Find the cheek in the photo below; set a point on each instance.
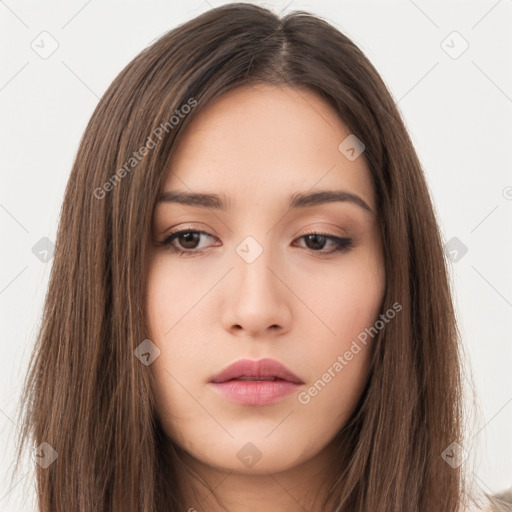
(172, 302)
(169, 296)
(347, 309)
(345, 299)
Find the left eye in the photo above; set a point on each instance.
(315, 242)
(316, 239)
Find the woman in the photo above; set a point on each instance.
(249, 306)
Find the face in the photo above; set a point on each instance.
(253, 276)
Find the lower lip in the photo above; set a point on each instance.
(253, 392)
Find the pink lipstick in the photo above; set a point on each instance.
(262, 382)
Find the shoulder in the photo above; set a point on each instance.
(501, 502)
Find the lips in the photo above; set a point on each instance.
(255, 383)
(262, 370)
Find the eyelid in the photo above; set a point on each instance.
(342, 233)
(331, 230)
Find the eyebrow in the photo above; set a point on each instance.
(295, 201)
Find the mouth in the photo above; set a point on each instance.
(257, 379)
(262, 382)
(261, 370)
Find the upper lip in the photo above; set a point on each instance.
(261, 368)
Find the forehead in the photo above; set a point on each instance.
(263, 141)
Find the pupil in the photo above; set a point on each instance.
(189, 238)
(316, 237)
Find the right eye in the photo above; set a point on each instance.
(188, 240)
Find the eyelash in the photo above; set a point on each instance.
(342, 244)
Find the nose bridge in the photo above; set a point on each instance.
(253, 263)
(258, 301)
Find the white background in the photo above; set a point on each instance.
(458, 112)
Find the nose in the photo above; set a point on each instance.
(259, 300)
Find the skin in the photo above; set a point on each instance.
(258, 145)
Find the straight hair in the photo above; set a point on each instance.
(91, 400)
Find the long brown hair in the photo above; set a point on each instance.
(90, 399)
